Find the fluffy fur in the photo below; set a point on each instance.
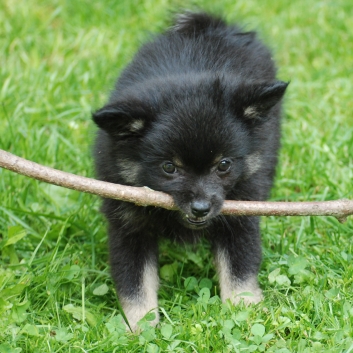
(196, 114)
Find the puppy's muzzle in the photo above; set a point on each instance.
(200, 209)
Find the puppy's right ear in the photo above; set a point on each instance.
(121, 119)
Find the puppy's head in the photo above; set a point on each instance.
(193, 138)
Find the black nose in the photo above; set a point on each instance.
(200, 208)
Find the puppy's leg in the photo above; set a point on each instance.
(133, 258)
(145, 300)
(232, 284)
(237, 250)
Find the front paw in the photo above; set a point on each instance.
(247, 290)
(135, 311)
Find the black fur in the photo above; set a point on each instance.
(196, 100)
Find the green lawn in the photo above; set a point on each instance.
(58, 61)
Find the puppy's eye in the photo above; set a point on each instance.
(169, 167)
(224, 165)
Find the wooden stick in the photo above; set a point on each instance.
(144, 196)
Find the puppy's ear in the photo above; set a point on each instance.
(258, 99)
(122, 119)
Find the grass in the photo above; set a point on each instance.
(59, 60)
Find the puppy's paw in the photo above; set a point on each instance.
(248, 291)
(135, 312)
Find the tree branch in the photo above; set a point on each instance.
(144, 196)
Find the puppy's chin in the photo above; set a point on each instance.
(193, 222)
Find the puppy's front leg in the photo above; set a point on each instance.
(133, 258)
(237, 251)
(232, 285)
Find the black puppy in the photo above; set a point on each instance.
(197, 115)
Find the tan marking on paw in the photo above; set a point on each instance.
(232, 288)
(136, 309)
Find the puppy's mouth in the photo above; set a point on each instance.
(194, 222)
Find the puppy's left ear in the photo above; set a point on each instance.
(258, 99)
